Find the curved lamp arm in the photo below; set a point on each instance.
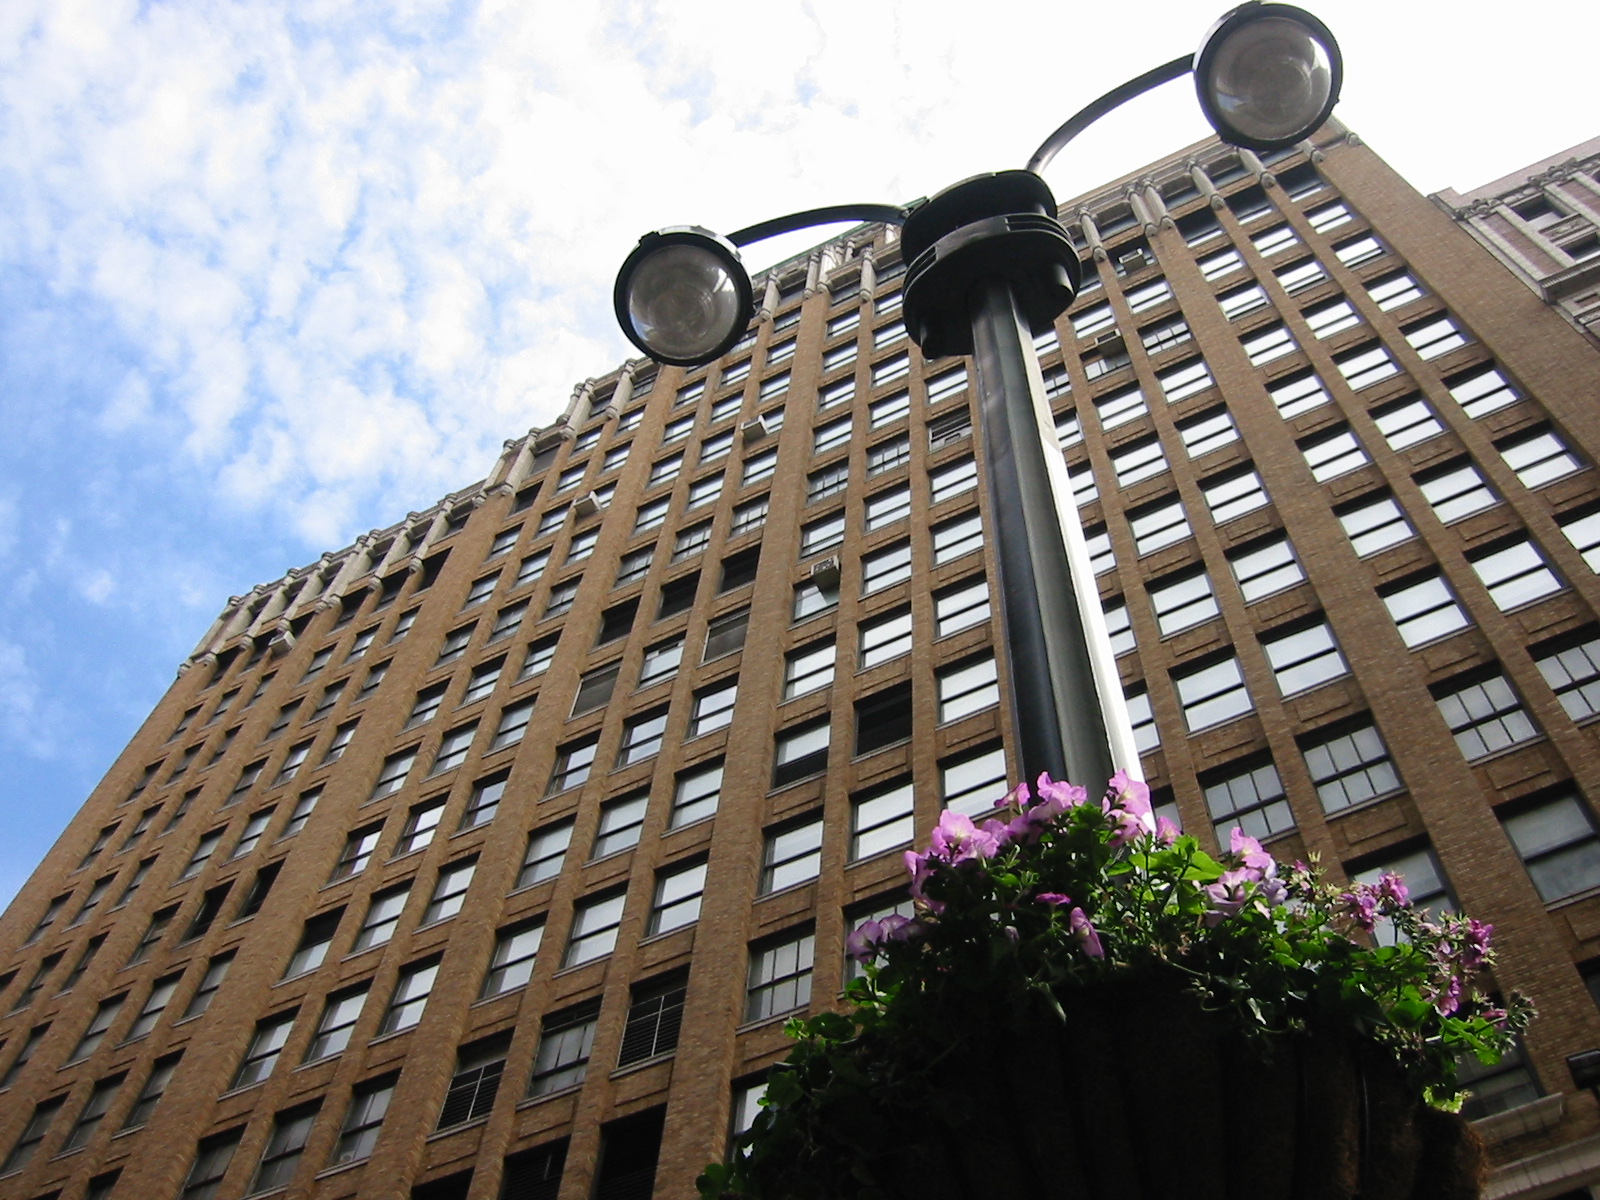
(890, 214)
(1117, 96)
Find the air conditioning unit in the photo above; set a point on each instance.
(281, 643)
(588, 505)
(1109, 342)
(755, 429)
(1133, 260)
(825, 573)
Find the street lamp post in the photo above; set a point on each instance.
(988, 266)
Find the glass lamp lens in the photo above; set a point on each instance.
(682, 301)
(1271, 79)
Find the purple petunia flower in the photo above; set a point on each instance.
(1392, 889)
(1084, 931)
(1058, 899)
(862, 944)
(957, 840)
(1228, 894)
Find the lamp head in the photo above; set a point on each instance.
(1268, 75)
(683, 296)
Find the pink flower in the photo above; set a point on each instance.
(1127, 804)
(862, 944)
(1448, 1000)
(1475, 944)
(1166, 831)
(1360, 905)
(1056, 898)
(957, 840)
(1228, 894)
(899, 929)
(1083, 931)
(1393, 890)
(1255, 861)
(921, 868)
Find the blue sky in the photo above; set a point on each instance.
(274, 274)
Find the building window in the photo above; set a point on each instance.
(1301, 276)
(383, 915)
(620, 823)
(159, 921)
(1335, 316)
(1162, 336)
(594, 928)
(595, 688)
(476, 1082)
(1406, 422)
(800, 752)
(756, 467)
(280, 1158)
(393, 775)
(961, 606)
(1157, 525)
(565, 1041)
(1183, 601)
(1375, 524)
(1120, 408)
(1456, 491)
(691, 541)
(1485, 715)
(205, 991)
(531, 568)
(155, 1004)
(885, 638)
(893, 453)
(678, 595)
(202, 853)
(573, 763)
(1298, 393)
(808, 669)
(725, 634)
(828, 481)
(665, 470)
(713, 708)
(547, 850)
(211, 1160)
(1366, 365)
(1482, 391)
(410, 997)
(1572, 669)
(1394, 291)
(695, 794)
(94, 1111)
(883, 719)
(1304, 658)
(1515, 574)
(885, 567)
(1423, 609)
(971, 784)
(1269, 345)
(453, 748)
(1138, 461)
(1231, 495)
(952, 480)
(338, 1022)
(822, 535)
(780, 977)
(812, 598)
(1557, 843)
(1357, 250)
(540, 655)
(315, 939)
(887, 507)
(968, 687)
(1349, 765)
(1249, 797)
(357, 852)
(369, 1104)
(1271, 241)
(1265, 568)
(677, 898)
(881, 820)
(427, 705)
(655, 1017)
(661, 661)
(749, 516)
(1212, 693)
(450, 892)
(956, 537)
(1539, 457)
(1242, 301)
(482, 681)
(1188, 378)
(515, 951)
(1220, 265)
(1434, 336)
(1332, 455)
(1081, 482)
(889, 410)
(793, 855)
(1207, 432)
(653, 514)
(262, 1053)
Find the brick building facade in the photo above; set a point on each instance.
(486, 857)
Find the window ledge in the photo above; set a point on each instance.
(1537, 1115)
(441, 1134)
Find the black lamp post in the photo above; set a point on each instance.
(988, 266)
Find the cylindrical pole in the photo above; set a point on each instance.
(1067, 704)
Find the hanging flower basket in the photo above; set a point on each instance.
(1087, 1006)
